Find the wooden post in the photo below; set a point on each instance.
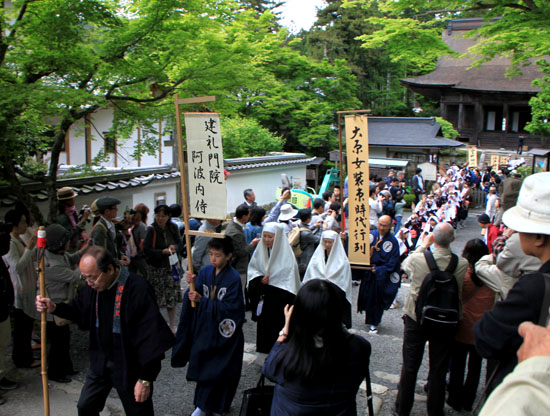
(185, 202)
(41, 248)
(343, 220)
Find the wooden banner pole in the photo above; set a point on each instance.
(41, 248)
(184, 195)
(343, 220)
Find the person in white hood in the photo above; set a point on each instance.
(330, 262)
(273, 281)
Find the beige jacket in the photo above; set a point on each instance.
(416, 268)
(525, 391)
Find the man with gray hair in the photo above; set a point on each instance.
(415, 336)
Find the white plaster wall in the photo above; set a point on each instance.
(101, 121)
(263, 181)
(129, 198)
(146, 195)
(377, 152)
(77, 144)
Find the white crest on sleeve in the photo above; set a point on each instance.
(227, 327)
(221, 293)
(206, 291)
(387, 246)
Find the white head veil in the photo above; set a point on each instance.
(336, 269)
(280, 266)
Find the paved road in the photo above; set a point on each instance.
(174, 395)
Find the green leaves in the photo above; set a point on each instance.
(245, 137)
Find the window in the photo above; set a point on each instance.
(110, 142)
(469, 117)
(493, 118)
(519, 117)
(160, 198)
(452, 114)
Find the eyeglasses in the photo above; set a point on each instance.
(91, 282)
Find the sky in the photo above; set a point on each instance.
(299, 14)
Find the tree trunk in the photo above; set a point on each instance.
(21, 194)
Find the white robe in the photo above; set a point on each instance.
(280, 266)
(336, 269)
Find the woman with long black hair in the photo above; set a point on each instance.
(476, 299)
(316, 364)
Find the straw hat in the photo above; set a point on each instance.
(532, 211)
(65, 193)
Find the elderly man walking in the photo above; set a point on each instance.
(415, 335)
(128, 335)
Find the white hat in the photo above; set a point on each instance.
(532, 211)
(270, 227)
(329, 234)
(287, 212)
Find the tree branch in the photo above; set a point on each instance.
(32, 78)
(30, 176)
(481, 6)
(163, 95)
(11, 35)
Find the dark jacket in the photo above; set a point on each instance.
(308, 244)
(6, 292)
(417, 181)
(65, 221)
(137, 352)
(155, 242)
(496, 333)
(102, 236)
(329, 394)
(241, 251)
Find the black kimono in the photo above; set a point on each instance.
(127, 341)
(271, 318)
(210, 337)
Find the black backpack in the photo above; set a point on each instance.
(437, 306)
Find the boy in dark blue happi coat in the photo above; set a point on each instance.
(210, 336)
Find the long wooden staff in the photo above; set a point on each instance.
(183, 185)
(41, 245)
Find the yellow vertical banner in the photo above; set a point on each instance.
(494, 161)
(472, 157)
(503, 161)
(357, 149)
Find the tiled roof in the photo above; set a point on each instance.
(489, 77)
(418, 132)
(277, 159)
(93, 184)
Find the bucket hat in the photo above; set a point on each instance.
(532, 211)
(287, 212)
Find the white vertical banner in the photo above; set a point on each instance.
(207, 192)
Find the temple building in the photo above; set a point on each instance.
(488, 109)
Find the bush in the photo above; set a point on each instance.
(409, 199)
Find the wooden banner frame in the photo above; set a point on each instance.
(183, 180)
(354, 265)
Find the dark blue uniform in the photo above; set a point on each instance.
(377, 291)
(210, 338)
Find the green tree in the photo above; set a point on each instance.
(517, 29)
(297, 98)
(336, 34)
(61, 60)
(244, 137)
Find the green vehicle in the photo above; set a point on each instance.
(304, 198)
